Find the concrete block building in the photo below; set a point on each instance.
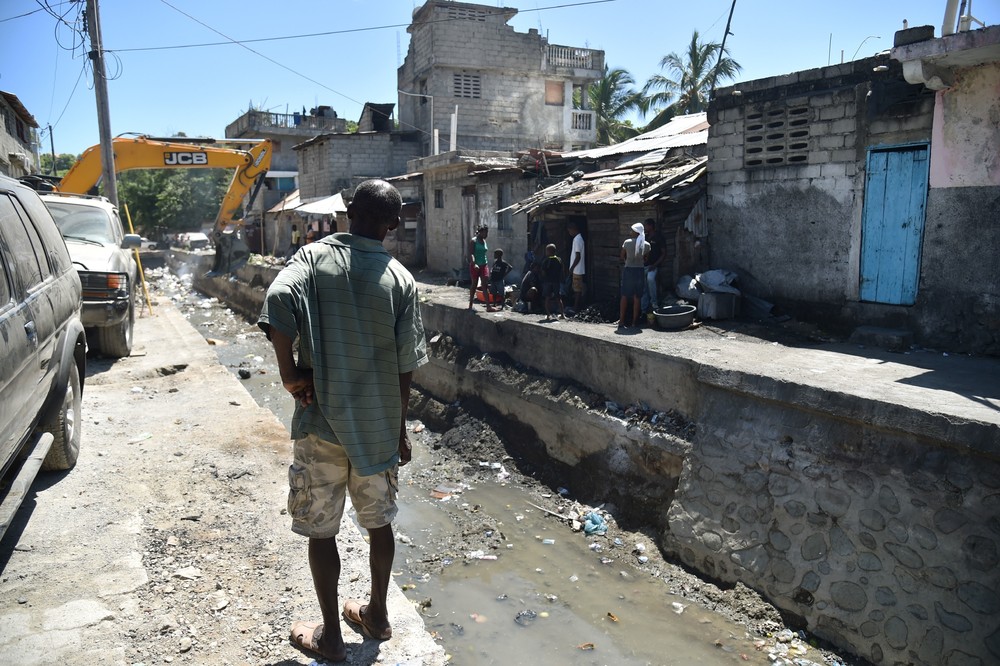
(285, 130)
(512, 90)
(463, 190)
(17, 138)
(866, 193)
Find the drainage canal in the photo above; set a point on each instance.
(491, 556)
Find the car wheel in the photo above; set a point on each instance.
(116, 341)
(65, 428)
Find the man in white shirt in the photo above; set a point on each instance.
(577, 263)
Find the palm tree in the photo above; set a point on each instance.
(689, 80)
(612, 98)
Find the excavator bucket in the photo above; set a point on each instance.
(231, 252)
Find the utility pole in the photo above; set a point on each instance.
(103, 112)
(52, 147)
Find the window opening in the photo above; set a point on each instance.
(467, 85)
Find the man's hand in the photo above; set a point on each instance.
(299, 383)
(405, 450)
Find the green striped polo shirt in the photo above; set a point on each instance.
(355, 311)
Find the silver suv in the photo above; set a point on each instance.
(43, 347)
(103, 255)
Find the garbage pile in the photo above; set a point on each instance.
(639, 415)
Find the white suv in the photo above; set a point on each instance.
(102, 253)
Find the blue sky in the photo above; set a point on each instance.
(199, 90)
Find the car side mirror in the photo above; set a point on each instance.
(131, 241)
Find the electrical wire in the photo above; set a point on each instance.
(243, 44)
(33, 11)
(332, 32)
(73, 92)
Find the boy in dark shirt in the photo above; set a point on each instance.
(552, 274)
(498, 272)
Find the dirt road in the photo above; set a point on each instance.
(168, 542)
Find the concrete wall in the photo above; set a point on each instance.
(875, 525)
(510, 113)
(336, 162)
(793, 231)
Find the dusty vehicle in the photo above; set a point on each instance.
(250, 166)
(102, 253)
(43, 352)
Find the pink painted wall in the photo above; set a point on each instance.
(965, 142)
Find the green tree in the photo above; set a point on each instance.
(612, 98)
(170, 200)
(63, 163)
(689, 80)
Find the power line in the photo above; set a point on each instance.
(33, 11)
(82, 70)
(330, 32)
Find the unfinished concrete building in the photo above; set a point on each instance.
(509, 90)
(285, 130)
(17, 138)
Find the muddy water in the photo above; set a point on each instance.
(546, 599)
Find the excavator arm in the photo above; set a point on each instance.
(143, 152)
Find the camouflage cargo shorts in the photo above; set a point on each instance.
(318, 478)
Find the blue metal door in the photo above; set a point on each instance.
(892, 226)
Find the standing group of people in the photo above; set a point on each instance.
(542, 283)
(492, 281)
(642, 254)
(314, 231)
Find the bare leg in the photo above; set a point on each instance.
(636, 310)
(383, 550)
(621, 310)
(324, 563)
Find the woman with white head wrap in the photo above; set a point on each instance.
(634, 251)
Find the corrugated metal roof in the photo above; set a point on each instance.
(326, 206)
(680, 132)
(639, 182)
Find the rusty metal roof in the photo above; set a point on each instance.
(634, 182)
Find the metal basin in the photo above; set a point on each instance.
(675, 317)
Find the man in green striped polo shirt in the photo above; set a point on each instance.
(354, 310)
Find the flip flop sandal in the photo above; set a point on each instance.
(354, 612)
(306, 635)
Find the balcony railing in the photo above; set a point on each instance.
(265, 120)
(571, 56)
(582, 120)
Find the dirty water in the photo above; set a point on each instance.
(546, 598)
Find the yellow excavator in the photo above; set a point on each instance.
(145, 152)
